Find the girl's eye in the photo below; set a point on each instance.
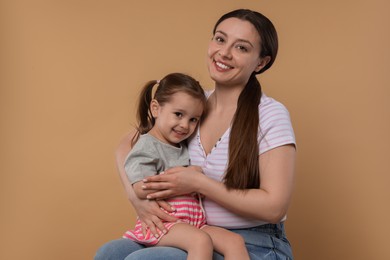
(194, 120)
(178, 114)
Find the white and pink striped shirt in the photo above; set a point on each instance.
(275, 130)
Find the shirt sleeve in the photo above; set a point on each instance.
(275, 126)
(141, 162)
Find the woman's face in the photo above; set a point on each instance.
(234, 52)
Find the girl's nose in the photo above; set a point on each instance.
(184, 124)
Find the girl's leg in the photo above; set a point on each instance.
(229, 244)
(196, 242)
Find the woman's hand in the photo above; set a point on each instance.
(151, 214)
(174, 182)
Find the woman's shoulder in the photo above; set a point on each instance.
(267, 102)
(275, 124)
(271, 108)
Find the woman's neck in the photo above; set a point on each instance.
(224, 98)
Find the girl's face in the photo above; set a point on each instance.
(177, 119)
(234, 52)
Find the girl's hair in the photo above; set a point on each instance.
(243, 167)
(166, 87)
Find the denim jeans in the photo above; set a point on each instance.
(263, 242)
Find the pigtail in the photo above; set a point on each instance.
(144, 115)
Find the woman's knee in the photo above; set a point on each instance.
(117, 249)
(158, 252)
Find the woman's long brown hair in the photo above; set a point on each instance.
(243, 166)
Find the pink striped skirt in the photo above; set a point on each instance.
(188, 210)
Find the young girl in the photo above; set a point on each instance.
(165, 122)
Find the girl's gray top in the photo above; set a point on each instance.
(150, 156)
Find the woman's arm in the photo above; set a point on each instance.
(139, 191)
(148, 211)
(269, 203)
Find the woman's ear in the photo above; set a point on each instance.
(263, 61)
(154, 108)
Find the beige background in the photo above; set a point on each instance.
(70, 74)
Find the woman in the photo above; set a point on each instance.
(245, 145)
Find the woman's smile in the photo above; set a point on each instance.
(222, 66)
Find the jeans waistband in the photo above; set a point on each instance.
(271, 229)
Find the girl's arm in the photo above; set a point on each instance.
(269, 203)
(148, 211)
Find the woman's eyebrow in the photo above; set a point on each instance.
(221, 32)
(240, 40)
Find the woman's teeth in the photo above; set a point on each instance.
(222, 66)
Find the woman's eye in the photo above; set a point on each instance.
(242, 48)
(218, 39)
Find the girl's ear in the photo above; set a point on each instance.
(154, 108)
(263, 61)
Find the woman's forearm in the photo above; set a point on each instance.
(252, 203)
(120, 156)
(271, 201)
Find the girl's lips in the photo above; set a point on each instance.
(179, 133)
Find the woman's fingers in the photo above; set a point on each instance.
(156, 186)
(144, 228)
(160, 179)
(152, 228)
(165, 205)
(160, 195)
(174, 182)
(154, 216)
(153, 224)
(157, 222)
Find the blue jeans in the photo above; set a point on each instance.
(263, 242)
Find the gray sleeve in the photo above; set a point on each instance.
(141, 162)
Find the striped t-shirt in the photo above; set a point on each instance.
(275, 130)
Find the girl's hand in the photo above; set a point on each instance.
(174, 182)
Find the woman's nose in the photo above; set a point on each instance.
(225, 52)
